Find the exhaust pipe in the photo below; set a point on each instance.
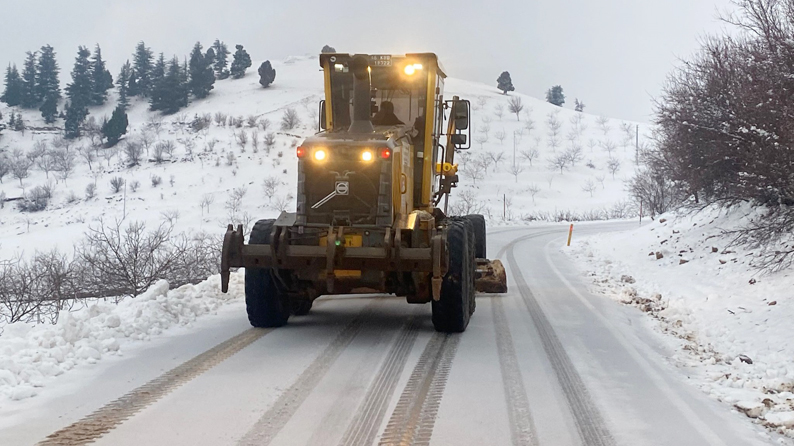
(361, 96)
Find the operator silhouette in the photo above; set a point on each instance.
(386, 116)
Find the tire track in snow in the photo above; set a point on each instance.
(271, 422)
(412, 421)
(522, 428)
(590, 424)
(106, 418)
(364, 427)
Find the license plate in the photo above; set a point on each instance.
(351, 241)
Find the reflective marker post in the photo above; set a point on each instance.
(570, 233)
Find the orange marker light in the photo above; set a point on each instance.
(301, 152)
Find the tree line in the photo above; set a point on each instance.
(724, 133)
(166, 84)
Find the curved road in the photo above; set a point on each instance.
(545, 364)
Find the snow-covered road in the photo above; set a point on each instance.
(545, 364)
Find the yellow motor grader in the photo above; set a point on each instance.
(368, 216)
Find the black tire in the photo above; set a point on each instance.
(478, 224)
(301, 307)
(451, 313)
(265, 301)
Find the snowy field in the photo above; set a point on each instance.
(732, 324)
(207, 169)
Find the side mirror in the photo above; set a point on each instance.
(322, 122)
(459, 139)
(461, 114)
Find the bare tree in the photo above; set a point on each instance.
(242, 139)
(515, 106)
(270, 187)
(270, 141)
(156, 124)
(613, 165)
(126, 260)
(133, 150)
(589, 186)
(476, 169)
(255, 140)
(499, 111)
(20, 165)
(264, 124)
(603, 123)
(559, 161)
(500, 135)
(533, 190)
(5, 166)
(516, 170)
(496, 158)
(574, 155)
(530, 154)
(609, 146)
(64, 162)
(88, 153)
(220, 118)
(480, 139)
(465, 203)
(206, 201)
(290, 119)
(45, 163)
(529, 125)
(600, 178)
(592, 144)
(282, 203)
(146, 139)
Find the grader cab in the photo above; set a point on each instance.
(370, 187)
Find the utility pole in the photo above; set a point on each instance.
(637, 147)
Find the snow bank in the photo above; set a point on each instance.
(32, 355)
(734, 323)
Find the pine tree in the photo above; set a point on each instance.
(48, 85)
(113, 129)
(142, 67)
(554, 95)
(13, 87)
(101, 78)
(29, 98)
(578, 105)
(221, 55)
(157, 72)
(328, 49)
(79, 93)
(240, 63)
(202, 77)
(49, 109)
(266, 74)
(171, 93)
(123, 83)
(504, 82)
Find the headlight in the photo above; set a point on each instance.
(367, 155)
(320, 155)
(410, 70)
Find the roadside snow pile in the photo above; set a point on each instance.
(735, 324)
(32, 355)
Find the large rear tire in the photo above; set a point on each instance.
(451, 313)
(478, 224)
(267, 304)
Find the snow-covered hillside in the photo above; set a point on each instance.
(732, 322)
(208, 168)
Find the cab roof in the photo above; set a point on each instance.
(429, 59)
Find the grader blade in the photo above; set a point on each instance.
(491, 276)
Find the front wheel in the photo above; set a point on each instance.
(265, 300)
(451, 313)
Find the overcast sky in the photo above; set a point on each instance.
(612, 54)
